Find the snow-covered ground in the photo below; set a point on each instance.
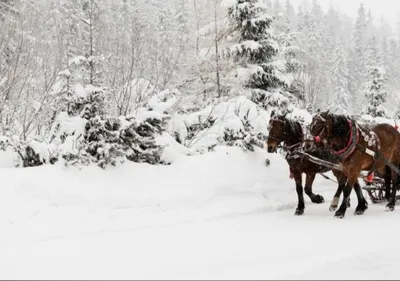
(219, 215)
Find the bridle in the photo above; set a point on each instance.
(270, 126)
(279, 140)
(318, 137)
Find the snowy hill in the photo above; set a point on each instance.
(218, 215)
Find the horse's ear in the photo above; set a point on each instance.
(272, 114)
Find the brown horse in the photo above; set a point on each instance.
(360, 149)
(290, 133)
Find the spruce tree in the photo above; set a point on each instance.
(340, 101)
(357, 67)
(372, 53)
(375, 93)
(255, 49)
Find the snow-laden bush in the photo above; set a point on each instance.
(109, 141)
(26, 153)
(275, 100)
(237, 121)
(88, 135)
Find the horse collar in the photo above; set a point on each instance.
(351, 144)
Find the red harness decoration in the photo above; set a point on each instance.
(351, 146)
(370, 177)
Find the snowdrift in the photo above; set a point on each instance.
(221, 215)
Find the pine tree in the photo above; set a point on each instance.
(375, 93)
(393, 68)
(357, 70)
(333, 25)
(316, 32)
(340, 101)
(372, 53)
(256, 47)
(290, 15)
(256, 51)
(105, 140)
(182, 31)
(384, 53)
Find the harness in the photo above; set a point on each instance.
(351, 146)
(290, 151)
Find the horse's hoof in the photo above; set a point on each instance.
(389, 208)
(339, 214)
(299, 212)
(359, 212)
(318, 199)
(332, 208)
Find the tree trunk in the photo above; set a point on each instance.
(216, 50)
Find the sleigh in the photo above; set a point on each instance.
(376, 189)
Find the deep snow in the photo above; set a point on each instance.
(219, 215)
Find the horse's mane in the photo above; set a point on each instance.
(340, 125)
(292, 128)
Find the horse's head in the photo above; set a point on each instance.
(321, 127)
(276, 131)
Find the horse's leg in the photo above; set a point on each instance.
(396, 182)
(362, 203)
(315, 198)
(388, 181)
(299, 189)
(351, 180)
(336, 197)
(341, 179)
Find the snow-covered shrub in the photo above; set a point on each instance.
(238, 121)
(36, 153)
(83, 132)
(109, 141)
(28, 153)
(139, 143)
(275, 100)
(245, 137)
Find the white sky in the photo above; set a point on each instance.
(389, 9)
